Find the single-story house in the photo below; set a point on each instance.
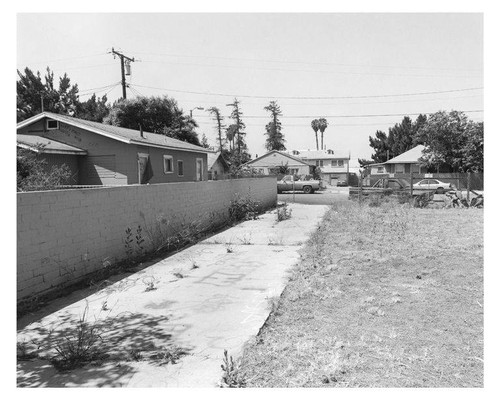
(333, 166)
(101, 154)
(267, 163)
(217, 165)
(405, 163)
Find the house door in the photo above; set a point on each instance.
(199, 169)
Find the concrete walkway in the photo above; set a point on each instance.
(210, 297)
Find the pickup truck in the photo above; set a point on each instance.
(384, 186)
(294, 183)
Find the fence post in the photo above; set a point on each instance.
(468, 186)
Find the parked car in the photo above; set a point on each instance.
(294, 183)
(384, 186)
(433, 184)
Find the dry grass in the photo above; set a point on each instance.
(384, 297)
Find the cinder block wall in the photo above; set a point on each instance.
(63, 235)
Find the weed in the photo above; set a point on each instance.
(243, 208)
(23, 353)
(195, 265)
(232, 376)
(139, 240)
(128, 243)
(80, 347)
(169, 356)
(283, 213)
(178, 275)
(246, 239)
(104, 306)
(150, 283)
(229, 248)
(135, 355)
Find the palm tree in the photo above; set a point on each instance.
(323, 123)
(315, 126)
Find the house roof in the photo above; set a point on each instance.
(279, 152)
(130, 136)
(321, 155)
(212, 158)
(410, 156)
(48, 146)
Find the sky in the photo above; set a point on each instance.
(362, 72)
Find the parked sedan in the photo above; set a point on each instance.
(433, 184)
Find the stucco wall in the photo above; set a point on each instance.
(62, 235)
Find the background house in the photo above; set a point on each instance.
(217, 165)
(100, 154)
(405, 163)
(266, 163)
(333, 166)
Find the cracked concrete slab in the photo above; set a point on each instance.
(211, 297)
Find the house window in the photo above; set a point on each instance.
(180, 168)
(380, 170)
(294, 171)
(400, 169)
(168, 164)
(319, 163)
(199, 169)
(340, 163)
(52, 124)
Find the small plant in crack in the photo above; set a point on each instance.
(79, 347)
(246, 240)
(195, 265)
(178, 275)
(168, 355)
(24, 353)
(135, 355)
(232, 377)
(283, 213)
(229, 248)
(104, 306)
(150, 283)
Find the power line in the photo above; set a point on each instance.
(345, 116)
(310, 97)
(84, 91)
(66, 59)
(308, 62)
(313, 71)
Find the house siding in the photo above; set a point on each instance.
(111, 162)
(277, 159)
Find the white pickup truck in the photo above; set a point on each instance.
(294, 183)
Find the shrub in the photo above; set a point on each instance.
(283, 213)
(232, 376)
(242, 208)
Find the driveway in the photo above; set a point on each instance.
(211, 297)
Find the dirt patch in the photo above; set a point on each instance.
(387, 296)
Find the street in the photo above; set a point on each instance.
(325, 197)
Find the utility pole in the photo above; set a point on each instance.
(122, 64)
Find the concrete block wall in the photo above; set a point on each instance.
(63, 235)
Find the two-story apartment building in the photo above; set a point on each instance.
(333, 166)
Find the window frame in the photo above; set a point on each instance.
(198, 178)
(165, 158)
(49, 128)
(180, 169)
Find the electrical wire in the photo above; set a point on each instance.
(310, 97)
(66, 59)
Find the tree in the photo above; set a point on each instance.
(204, 142)
(239, 155)
(31, 91)
(401, 138)
(33, 172)
(452, 141)
(218, 118)
(159, 115)
(322, 124)
(275, 139)
(315, 126)
(94, 109)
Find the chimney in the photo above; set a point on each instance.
(140, 128)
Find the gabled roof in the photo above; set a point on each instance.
(125, 135)
(410, 156)
(48, 146)
(321, 155)
(279, 152)
(212, 158)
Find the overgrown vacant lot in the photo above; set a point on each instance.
(384, 296)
